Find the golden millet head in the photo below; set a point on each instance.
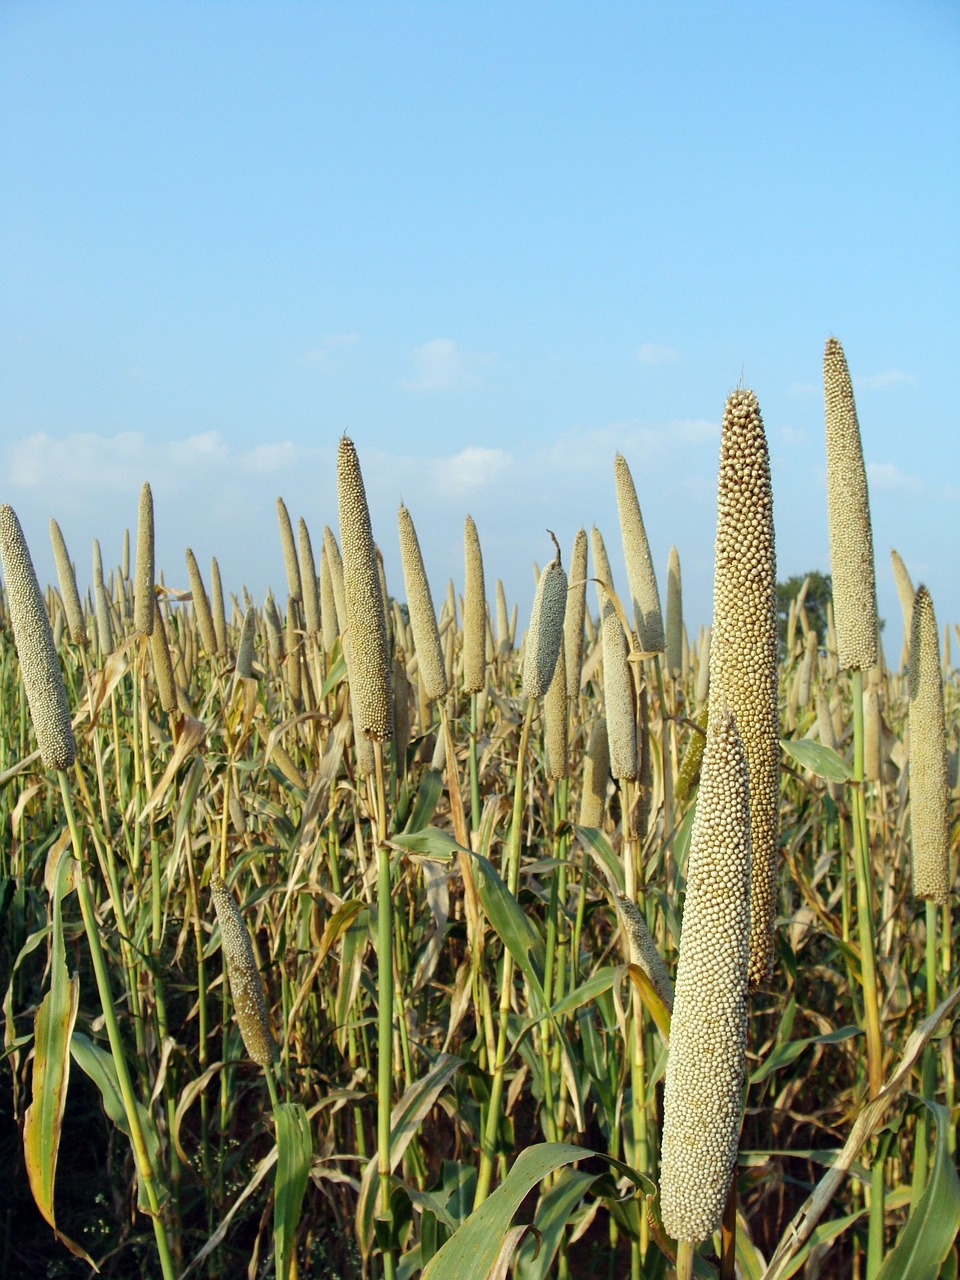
(636, 552)
(555, 721)
(573, 618)
(290, 562)
(673, 655)
(546, 629)
(929, 787)
(308, 576)
(703, 1089)
(423, 620)
(596, 772)
(848, 518)
(618, 698)
(39, 665)
(474, 612)
(143, 593)
(642, 949)
(245, 985)
(68, 586)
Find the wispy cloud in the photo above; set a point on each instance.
(322, 355)
(889, 378)
(442, 365)
(472, 469)
(657, 353)
(885, 475)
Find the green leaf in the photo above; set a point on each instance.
(335, 675)
(294, 1156)
(471, 1252)
(598, 844)
(784, 1054)
(515, 930)
(933, 1226)
(97, 1063)
(821, 760)
(430, 842)
(53, 1027)
(557, 1203)
(428, 796)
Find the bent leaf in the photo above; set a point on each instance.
(821, 760)
(294, 1156)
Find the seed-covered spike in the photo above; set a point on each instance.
(245, 986)
(848, 518)
(328, 605)
(201, 605)
(689, 770)
(503, 622)
(290, 562)
(143, 592)
(335, 566)
(929, 819)
(703, 1093)
(905, 591)
(642, 949)
(162, 663)
(423, 620)
(546, 629)
(556, 761)
(703, 667)
(39, 666)
(308, 580)
(217, 606)
(674, 640)
(618, 698)
(596, 772)
(245, 650)
(636, 553)
(474, 612)
(601, 566)
(102, 604)
(743, 646)
(68, 586)
(368, 666)
(573, 618)
(274, 624)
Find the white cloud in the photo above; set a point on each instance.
(657, 353)
(471, 469)
(442, 365)
(322, 355)
(889, 378)
(887, 476)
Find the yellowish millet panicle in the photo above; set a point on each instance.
(636, 552)
(308, 580)
(703, 667)
(503, 622)
(125, 555)
(848, 519)
(423, 620)
(673, 654)
(618, 699)
(291, 662)
(601, 566)
(573, 618)
(807, 668)
(556, 760)
(162, 663)
(217, 607)
(274, 625)
(368, 668)
(245, 986)
(68, 586)
(546, 629)
(143, 592)
(929, 824)
(245, 650)
(289, 547)
(905, 592)
(743, 647)
(39, 665)
(201, 605)
(102, 604)
(828, 737)
(596, 772)
(641, 948)
(474, 612)
(333, 623)
(689, 770)
(703, 1090)
(872, 734)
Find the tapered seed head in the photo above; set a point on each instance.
(245, 651)
(929, 817)
(474, 612)
(601, 566)
(245, 986)
(503, 621)
(596, 772)
(39, 666)
(703, 1091)
(546, 629)
(618, 698)
(217, 609)
(162, 663)
(68, 586)
(143, 592)
(368, 668)
(848, 518)
(636, 552)
(423, 621)
(642, 949)
(573, 618)
(674, 639)
(904, 591)
(201, 605)
(308, 580)
(743, 646)
(556, 761)
(289, 547)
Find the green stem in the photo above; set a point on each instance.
(865, 909)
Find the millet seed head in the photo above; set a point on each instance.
(68, 586)
(573, 618)
(636, 552)
(641, 948)
(245, 986)
(618, 697)
(143, 592)
(546, 629)
(474, 612)
(929, 787)
(423, 620)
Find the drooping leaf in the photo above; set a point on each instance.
(821, 760)
(294, 1155)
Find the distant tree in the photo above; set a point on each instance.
(819, 595)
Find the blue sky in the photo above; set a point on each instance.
(494, 243)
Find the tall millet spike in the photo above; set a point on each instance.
(743, 646)
(848, 518)
(546, 628)
(68, 586)
(366, 632)
(289, 547)
(143, 593)
(929, 787)
(474, 612)
(636, 553)
(556, 757)
(573, 618)
(618, 699)
(39, 666)
(201, 605)
(245, 986)
(703, 1091)
(674, 637)
(308, 580)
(423, 620)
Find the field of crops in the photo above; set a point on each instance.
(469, 883)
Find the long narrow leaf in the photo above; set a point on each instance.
(294, 1155)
